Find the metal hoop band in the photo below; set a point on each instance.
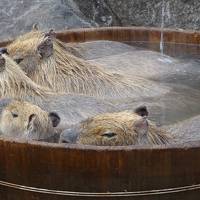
(108, 194)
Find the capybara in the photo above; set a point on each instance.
(20, 119)
(71, 107)
(130, 60)
(116, 129)
(47, 62)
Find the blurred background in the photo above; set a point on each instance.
(18, 16)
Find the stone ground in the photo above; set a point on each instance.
(18, 16)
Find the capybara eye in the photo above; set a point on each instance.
(14, 115)
(3, 50)
(18, 60)
(109, 134)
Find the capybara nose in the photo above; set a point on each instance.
(68, 136)
(3, 50)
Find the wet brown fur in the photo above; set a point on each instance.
(18, 126)
(15, 84)
(123, 126)
(72, 108)
(64, 72)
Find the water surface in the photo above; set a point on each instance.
(178, 68)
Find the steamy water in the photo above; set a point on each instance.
(178, 68)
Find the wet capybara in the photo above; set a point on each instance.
(130, 60)
(116, 129)
(47, 62)
(14, 82)
(72, 108)
(20, 119)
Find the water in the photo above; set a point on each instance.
(163, 58)
(178, 69)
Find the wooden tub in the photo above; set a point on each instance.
(42, 171)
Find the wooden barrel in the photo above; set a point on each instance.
(44, 171)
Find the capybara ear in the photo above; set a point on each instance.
(142, 111)
(35, 27)
(45, 48)
(50, 34)
(54, 118)
(2, 63)
(32, 122)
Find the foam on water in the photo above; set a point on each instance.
(165, 59)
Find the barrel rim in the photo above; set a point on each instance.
(128, 28)
(178, 146)
(194, 33)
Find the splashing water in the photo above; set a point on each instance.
(162, 28)
(164, 58)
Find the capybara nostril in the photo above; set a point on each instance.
(3, 50)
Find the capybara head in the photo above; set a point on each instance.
(111, 129)
(15, 84)
(20, 119)
(48, 63)
(31, 49)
